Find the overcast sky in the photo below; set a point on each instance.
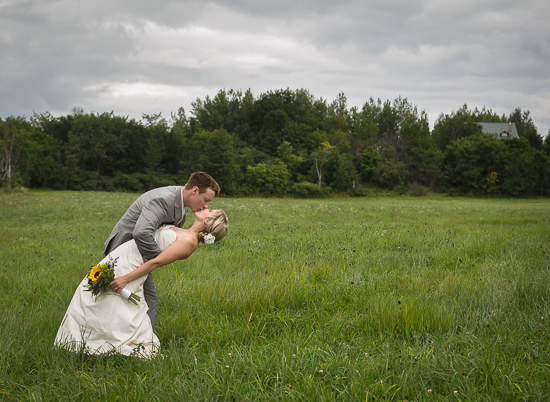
(134, 56)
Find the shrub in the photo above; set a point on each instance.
(416, 190)
(305, 190)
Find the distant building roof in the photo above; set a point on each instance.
(501, 131)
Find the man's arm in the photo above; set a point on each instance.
(153, 215)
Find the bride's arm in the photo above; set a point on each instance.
(179, 250)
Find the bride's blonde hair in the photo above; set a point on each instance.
(218, 225)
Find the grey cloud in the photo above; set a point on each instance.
(58, 54)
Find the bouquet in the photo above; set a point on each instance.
(100, 277)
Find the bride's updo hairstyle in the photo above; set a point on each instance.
(217, 226)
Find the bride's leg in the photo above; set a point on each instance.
(151, 298)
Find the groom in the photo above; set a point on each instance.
(164, 205)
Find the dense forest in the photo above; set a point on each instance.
(281, 143)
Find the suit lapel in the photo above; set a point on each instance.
(180, 211)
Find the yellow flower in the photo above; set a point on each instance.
(95, 274)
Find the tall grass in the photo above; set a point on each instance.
(333, 299)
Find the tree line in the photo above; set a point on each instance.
(281, 143)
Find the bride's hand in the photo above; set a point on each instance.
(118, 284)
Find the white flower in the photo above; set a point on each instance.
(209, 238)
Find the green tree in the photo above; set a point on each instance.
(487, 116)
(526, 128)
(339, 107)
(257, 176)
(132, 157)
(269, 180)
(243, 159)
(430, 167)
(279, 178)
(302, 137)
(180, 124)
(93, 141)
(227, 110)
(274, 131)
(390, 173)
(451, 127)
(156, 127)
(14, 138)
(337, 129)
(526, 170)
(468, 162)
(214, 153)
(418, 152)
(59, 128)
(44, 165)
(340, 171)
(319, 157)
(364, 134)
(291, 161)
(369, 161)
(541, 171)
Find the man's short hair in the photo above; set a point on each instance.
(203, 181)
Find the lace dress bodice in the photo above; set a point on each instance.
(164, 236)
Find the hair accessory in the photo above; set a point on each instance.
(209, 238)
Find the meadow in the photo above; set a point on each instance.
(388, 299)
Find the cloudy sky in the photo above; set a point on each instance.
(134, 56)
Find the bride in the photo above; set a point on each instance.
(111, 323)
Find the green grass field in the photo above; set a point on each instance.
(394, 299)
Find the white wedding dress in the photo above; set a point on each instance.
(111, 323)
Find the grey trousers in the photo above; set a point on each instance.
(151, 298)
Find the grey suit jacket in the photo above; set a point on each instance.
(151, 210)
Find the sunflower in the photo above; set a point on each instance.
(95, 274)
